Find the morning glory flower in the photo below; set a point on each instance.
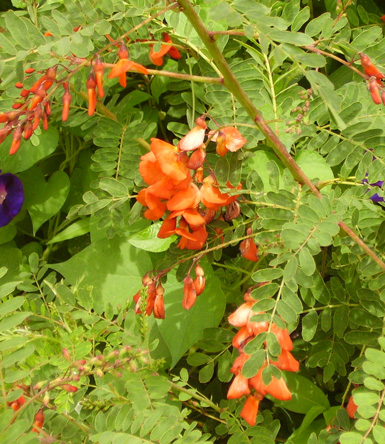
(11, 197)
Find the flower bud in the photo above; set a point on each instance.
(196, 159)
(201, 122)
(233, 210)
(200, 280)
(221, 144)
(189, 292)
(159, 311)
(66, 354)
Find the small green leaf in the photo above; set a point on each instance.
(253, 364)
(309, 325)
(306, 262)
(267, 274)
(206, 373)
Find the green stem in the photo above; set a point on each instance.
(234, 87)
(232, 84)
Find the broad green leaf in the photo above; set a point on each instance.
(28, 154)
(314, 166)
(44, 199)
(148, 240)
(111, 269)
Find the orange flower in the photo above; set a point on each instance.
(228, 139)
(283, 337)
(156, 207)
(249, 249)
(192, 140)
(168, 228)
(286, 361)
(277, 388)
(194, 240)
(124, 65)
(239, 387)
(167, 157)
(239, 362)
(241, 315)
(211, 196)
(184, 199)
(250, 409)
(351, 407)
(156, 57)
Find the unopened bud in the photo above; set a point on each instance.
(69, 388)
(46, 399)
(200, 121)
(233, 210)
(66, 354)
(189, 292)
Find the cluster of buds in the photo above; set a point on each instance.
(193, 287)
(301, 111)
(191, 200)
(32, 107)
(376, 79)
(255, 388)
(34, 104)
(150, 297)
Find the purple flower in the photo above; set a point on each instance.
(376, 197)
(11, 197)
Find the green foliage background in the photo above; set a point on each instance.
(71, 261)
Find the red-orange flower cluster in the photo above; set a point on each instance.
(152, 292)
(255, 388)
(32, 106)
(190, 200)
(376, 80)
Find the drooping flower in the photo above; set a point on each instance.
(250, 409)
(351, 408)
(124, 65)
(11, 197)
(156, 57)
